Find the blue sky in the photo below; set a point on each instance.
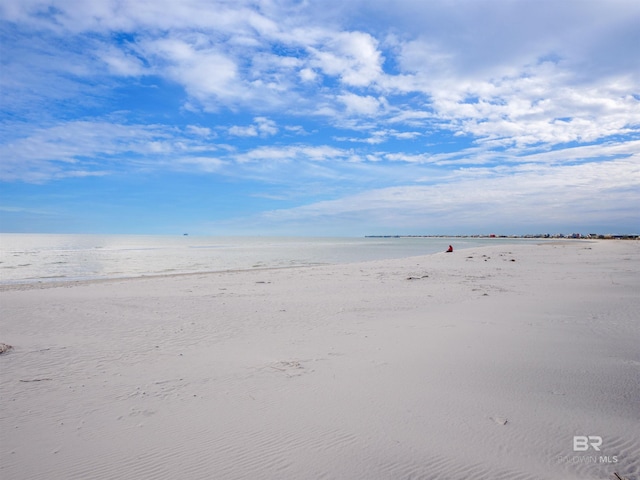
(294, 117)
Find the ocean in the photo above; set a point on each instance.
(31, 258)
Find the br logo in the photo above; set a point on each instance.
(582, 443)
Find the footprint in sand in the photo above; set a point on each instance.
(291, 368)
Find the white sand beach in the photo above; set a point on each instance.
(483, 363)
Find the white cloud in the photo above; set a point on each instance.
(360, 105)
(262, 127)
(199, 131)
(515, 199)
(351, 56)
(296, 129)
(608, 150)
(406, 135)
(77, 16)
(308, 75)
(205, 72)
(121, 63)
(83, 148)
(410, 158)
(542, 103)
(265, 126)
(201, 164)
(302, 152)
(248, 131)
(448, 53)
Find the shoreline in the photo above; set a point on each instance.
(46, 284)
(488, 360)
(42, 283)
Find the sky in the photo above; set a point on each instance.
(320, 118)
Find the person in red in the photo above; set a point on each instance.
(450, 249)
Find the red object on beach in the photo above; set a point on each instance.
(450, 249)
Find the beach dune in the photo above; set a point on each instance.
(499, 362)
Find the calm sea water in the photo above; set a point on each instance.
(26, 258)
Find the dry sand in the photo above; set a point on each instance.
(480, 364)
